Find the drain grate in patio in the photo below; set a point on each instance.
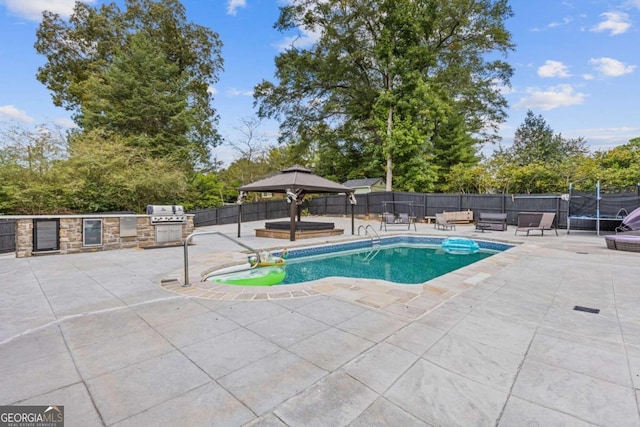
(586, 309)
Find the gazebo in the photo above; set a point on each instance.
(296, 182)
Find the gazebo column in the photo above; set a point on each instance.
(292, 232)
(352, 199)
(353, 220)
(241, 196)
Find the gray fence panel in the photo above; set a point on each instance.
(376, 201)
(437, 203)
(7, 235)
(371, 204)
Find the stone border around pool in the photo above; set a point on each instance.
(407, 301)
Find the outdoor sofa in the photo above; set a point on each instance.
(623, 242)
(491, 221)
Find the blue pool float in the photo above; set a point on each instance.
(459, 246)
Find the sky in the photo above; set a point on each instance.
(576, 63)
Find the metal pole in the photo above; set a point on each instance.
(186, 251)
(598, 208)
(353, 221)
(292, 225)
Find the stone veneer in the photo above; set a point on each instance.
(70, 234)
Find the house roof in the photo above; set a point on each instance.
(362, 182)
(296, 178)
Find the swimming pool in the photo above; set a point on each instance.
(398, 259)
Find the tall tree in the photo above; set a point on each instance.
(384, 74)
(535, 141)
(143, 72)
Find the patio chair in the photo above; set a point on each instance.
(546, 223)
(527, 222)
(443, 223)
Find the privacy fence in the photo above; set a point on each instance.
(419, 205)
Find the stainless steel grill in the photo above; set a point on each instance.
(166, 214)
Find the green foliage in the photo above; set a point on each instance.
(143, 72)
(105, 173)
(539, 160)
(42, 173)
(476, 179)
(620, 166)
(204, 192)
(418, 66)
(535, 142)
(29, 179)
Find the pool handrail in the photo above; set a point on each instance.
(375, 240)
(200, 233)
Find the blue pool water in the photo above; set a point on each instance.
(401, 259)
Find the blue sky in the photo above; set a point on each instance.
(577, 63)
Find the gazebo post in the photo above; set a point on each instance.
(239, 218)
(292, 232)
(239, 202)
(353, 220)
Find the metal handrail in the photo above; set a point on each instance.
(366, 232)
(371, 254)
(200, 233)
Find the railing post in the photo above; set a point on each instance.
(186, 251)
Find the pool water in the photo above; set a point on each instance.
(405, 264)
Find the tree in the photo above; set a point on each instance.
(464, 179)
(535, 142)
(385, 77)
(29, 179)
(144, 72)
(105, 173)
(619, 166)
(453, 151)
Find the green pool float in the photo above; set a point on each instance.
(260, 276)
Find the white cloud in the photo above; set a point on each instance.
(611, 67)
(608, 138)
(32, 9)
(633, 3)
(615, 22)
(553, 69)
(565, 21)
(234, 5)
(233, 92)
(588, 76)
(303, 40)
(65, 123)
(553, 97)
(212, 90)
(12, 113)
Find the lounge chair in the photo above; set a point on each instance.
(530, 221)
(443, 223)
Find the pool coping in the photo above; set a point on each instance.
(405, 300)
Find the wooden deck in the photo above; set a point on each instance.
(302, 234)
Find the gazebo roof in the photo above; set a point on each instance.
(296, 178)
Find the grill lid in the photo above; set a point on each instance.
(166, 214)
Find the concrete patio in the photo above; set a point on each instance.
(116, 339)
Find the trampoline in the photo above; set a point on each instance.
(606, 211)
